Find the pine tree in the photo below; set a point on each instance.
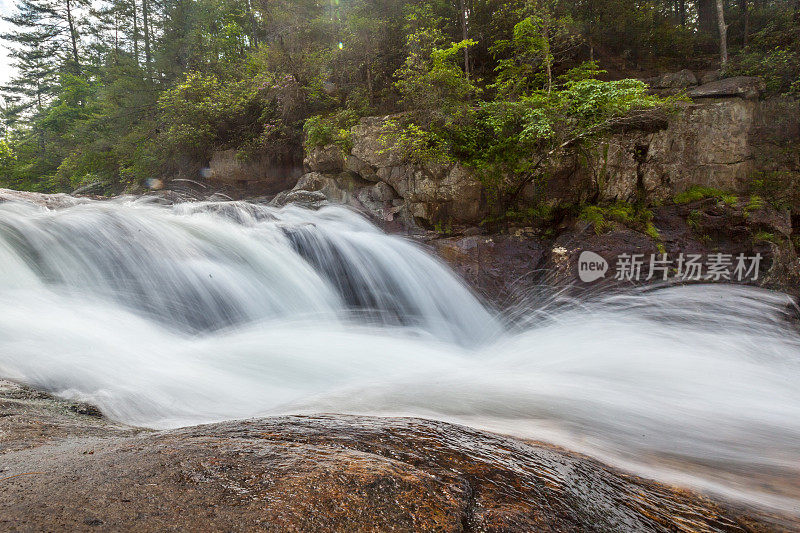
(45, 43)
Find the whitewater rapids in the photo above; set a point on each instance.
(166, 316)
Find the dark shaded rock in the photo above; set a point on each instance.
(709, 76)
(511, 269)
(259, 174)
(741, 86)
(502, 268)
(562, 264)
(673, 80)
(86, 409)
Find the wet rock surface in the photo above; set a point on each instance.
(320, 473)
(510, 268)
(49, 201)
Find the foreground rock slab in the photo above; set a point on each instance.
(317, 473)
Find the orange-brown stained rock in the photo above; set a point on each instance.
(327, 473)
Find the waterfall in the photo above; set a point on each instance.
(165, 316)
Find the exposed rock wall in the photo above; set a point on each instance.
(264, 174)
(387, 186)
(721, 139)
(717, 143)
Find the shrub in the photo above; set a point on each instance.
(333, 129)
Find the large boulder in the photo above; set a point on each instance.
(437, 193)
(264, 174)
(429, 193)
(70, 472)
(315, 189)
(673, 80)
(741, 86)
(367, 145)
(719, 143)
(324, 159)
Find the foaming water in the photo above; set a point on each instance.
(170, 316)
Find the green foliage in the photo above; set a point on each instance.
(7, 160)
(763, 236)
(697, 192)
(773, 53)
(779, 188)
(443, 229)
(602, 217)
(635, 217)
(331, 129)
(693, 220)
(755, 203)
(780, 68)
(413, 143)
(539, 214)
(193, 110)
(114, 93)
(519, 137)
(435, 83)
(526, 60)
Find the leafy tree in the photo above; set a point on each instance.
(531, 52)
(109, 93)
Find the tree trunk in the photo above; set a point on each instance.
(723, 33)
(745, 22)
(253, 25)
(370, 90)
(73, 35)
(116, 36)
(146, 22)
(707, 16)
(135, 34)
(548, 58)
(682, 11)
(464, 34)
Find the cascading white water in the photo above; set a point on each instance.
(170, 316)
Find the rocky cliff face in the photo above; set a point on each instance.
(713, 142)
(261, 175)
(722, 139)
(388, 187)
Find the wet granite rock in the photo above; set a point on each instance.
(503, 269)
(50, 201)
(324, 473)
(523, 267)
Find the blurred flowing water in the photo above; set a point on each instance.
(200, 312)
